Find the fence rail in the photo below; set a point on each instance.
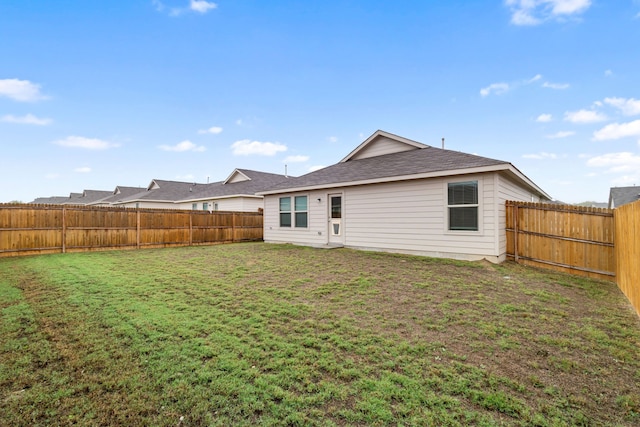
(27, 229)
(573, 239)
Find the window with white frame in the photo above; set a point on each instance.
(301, 210)
(462, 205)
(205, 206)
(295, 214)
(285, 211)
(194, 206)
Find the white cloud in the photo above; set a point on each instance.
(496, 88)
(332, 139)
(199, 6)
(85, 143)
(608, 73)
(202, 6)
(29, 119)
(20, 90)
(296, 159)
(544, 118)
(541, 156)
(52, 176)
(557, 86)
(561, 134)
(618, 130)
(182, 147)
(616, 162)
(84, 169)
(628, 107)
(534, 79)
(246, 147)
(584, 116)
(534, 12)
(315, 168)
(215, 130)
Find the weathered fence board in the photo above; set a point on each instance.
(627, 223)
(572, 239)
(32, 229)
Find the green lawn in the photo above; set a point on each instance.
(258, 334)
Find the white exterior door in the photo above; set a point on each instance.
(336, 232)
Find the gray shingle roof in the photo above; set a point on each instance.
(418, 161)
(258, 181)
(162, 190)
(619, 196)
(121, 192)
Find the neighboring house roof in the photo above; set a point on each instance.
(241, 182)
(87, 197)
(54, 200)
(619, 196)
(163, 191)
(120, 193)
(418, 161)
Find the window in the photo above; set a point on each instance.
(215, 206)
(463, 205)
(205, 206)
(301, 211)
(194, 206)
(285, 211)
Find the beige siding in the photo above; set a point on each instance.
(408, 216)
(237, 177)
(315, 234)
(380, 146)
(411, 217)
(509, 190)
(238, 204)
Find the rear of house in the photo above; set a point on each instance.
(397, 195)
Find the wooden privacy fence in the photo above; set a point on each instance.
(27, 229)
(599, 243)
(627, 225)
(573, 239)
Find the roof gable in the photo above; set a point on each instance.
(236, 176)
(619, 196)
(381, 143)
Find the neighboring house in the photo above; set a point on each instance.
(398, 195)
(119, 193)
(236, 193)
(88, 197)
(160, 194)
(619, 196)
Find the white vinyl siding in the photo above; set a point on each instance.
(509, 190)
(406, 216)
(409, 217)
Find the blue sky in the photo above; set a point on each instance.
(98, 94)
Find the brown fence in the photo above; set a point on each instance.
(33, 229)
(627, 223)
(572, 239)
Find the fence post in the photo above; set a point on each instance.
(515, 231)
(191, 228)
(64, 229)
(233, 227)
(138, 228)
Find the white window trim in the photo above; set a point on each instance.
(480, 206)
(292, 198)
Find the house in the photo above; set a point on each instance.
(159, 194)
(236, 193)
(619, 196)
(397, 195)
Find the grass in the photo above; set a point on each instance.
(249, 334)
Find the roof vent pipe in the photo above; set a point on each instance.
(285, 171)
(443, 143)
